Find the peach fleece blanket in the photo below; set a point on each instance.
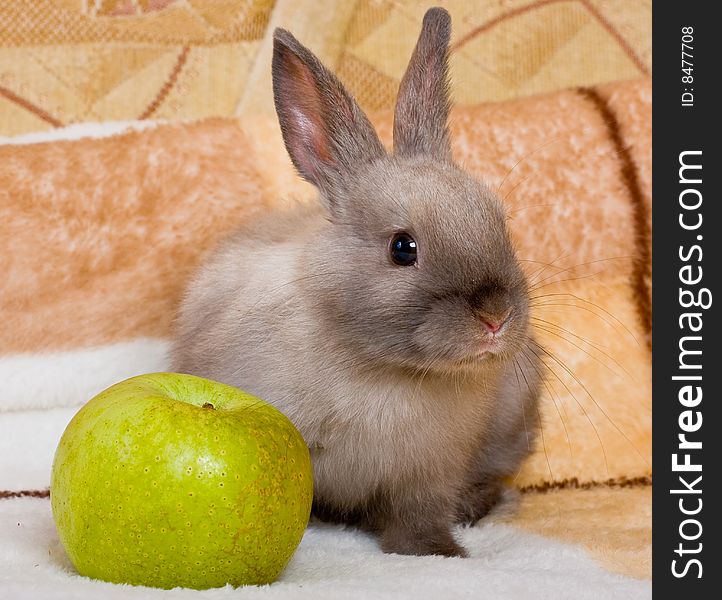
(100, 226)
(99, 236)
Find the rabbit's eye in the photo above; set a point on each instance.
(403, 249)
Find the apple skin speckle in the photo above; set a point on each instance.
(150, 488)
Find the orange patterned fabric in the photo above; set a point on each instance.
(72, 61)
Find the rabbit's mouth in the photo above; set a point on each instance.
(487, 349)
(497, 345)
(487, 353)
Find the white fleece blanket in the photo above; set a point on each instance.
(331, 563)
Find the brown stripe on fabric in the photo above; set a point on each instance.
(630, 178)
(168, 85)
(564, 484)
(30, 107)
(500, 19)
(4, 494)
(574, 484)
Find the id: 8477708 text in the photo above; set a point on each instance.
(687, 66)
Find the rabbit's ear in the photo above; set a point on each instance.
(326, 133)
(422, 106)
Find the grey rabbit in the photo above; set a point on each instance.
(388, 320)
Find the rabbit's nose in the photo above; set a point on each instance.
(492, 306)
(494, 325)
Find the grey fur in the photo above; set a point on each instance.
(378, 366)
(422, 106)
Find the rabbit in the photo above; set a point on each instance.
(388, 321)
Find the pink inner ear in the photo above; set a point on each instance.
(312, 134)
(308, 139)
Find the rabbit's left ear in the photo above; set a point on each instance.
(422, 106)
(326, 134)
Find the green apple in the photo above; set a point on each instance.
(172, 480)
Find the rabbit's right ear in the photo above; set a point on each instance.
(422, 106)
(326, 133)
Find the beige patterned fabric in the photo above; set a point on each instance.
(74, 61)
